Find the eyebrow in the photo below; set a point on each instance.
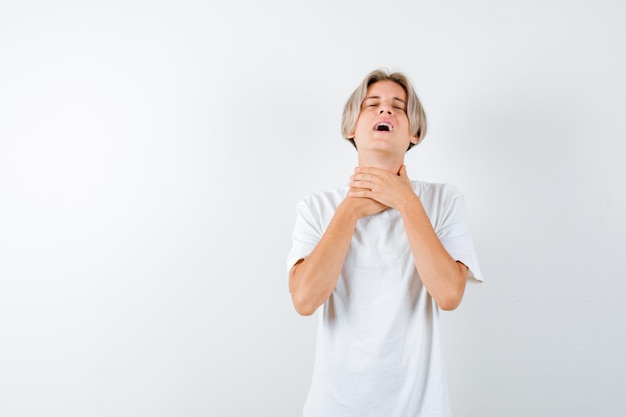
(378, 98)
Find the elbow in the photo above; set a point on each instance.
(300, 297)
(451, 300)
(451, 297)
(303, 307)
(449, 304)
(305, 312)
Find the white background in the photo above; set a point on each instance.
(152, 154)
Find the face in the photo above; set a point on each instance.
(383, 124)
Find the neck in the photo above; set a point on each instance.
(391, 163)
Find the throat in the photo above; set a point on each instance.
(388, 162)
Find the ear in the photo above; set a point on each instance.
(414, 140)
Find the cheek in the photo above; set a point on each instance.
(361, 125)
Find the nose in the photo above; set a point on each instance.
(385, 109)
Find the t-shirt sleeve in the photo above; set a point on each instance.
(306, 232)
(453, 232)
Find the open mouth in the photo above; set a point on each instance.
(383, 127)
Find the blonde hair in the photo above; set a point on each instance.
(414, 110)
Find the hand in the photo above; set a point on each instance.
(362, 207)
(387, 188)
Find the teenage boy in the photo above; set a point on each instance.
(382, 256)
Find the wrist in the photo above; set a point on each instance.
(410, 204)
(348, 212)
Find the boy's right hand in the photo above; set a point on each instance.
(362, 207)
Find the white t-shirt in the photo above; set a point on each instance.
(378, 349)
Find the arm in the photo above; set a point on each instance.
(312, 280)
(443, 277)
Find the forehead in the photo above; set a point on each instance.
(386, 89)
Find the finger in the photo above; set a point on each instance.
(366, 177)
(366, 185)
(359, 193)
(358, 189)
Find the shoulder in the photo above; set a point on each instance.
(444, 205)
(430, 191)
(324, 200)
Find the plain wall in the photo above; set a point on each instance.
(152, 154)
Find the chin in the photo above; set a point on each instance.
(383, 148)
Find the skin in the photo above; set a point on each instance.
(380, 182)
